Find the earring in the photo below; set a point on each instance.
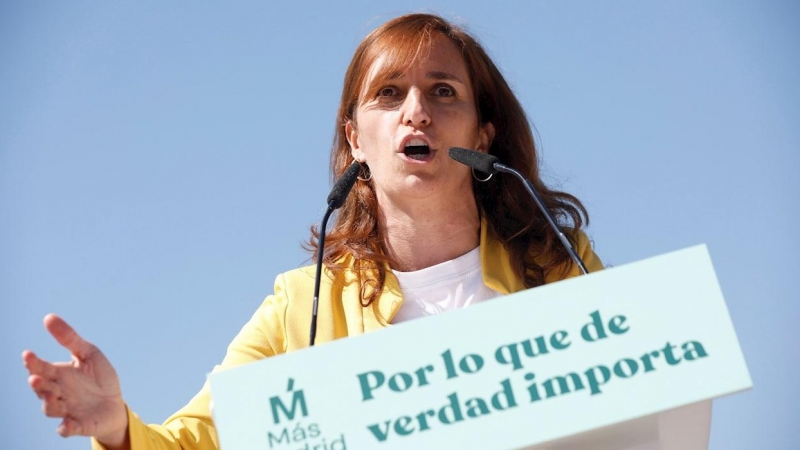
(364, 170)
(481, 180)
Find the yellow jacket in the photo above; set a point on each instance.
(281, 324)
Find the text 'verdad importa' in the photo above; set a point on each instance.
(455, 409)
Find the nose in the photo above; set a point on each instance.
(415, 109)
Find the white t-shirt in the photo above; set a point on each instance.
(453, 284)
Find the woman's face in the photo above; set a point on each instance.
(405, 126)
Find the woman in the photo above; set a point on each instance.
(419, 233)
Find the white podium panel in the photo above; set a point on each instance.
(541, 368)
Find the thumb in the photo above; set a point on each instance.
(66, 336)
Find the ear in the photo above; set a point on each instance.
(352, 139)
(486, 136)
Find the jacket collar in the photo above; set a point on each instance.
(496, 264)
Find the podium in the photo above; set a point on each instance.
(684, 428)
(626, 358)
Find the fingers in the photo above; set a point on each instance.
(66, 336)
(42, 381)
(38, 366)
(70, 427)
(42, 386)
(53, 405)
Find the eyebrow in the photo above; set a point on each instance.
(443, 76)
(434, 75)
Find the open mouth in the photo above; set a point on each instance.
(418, 152)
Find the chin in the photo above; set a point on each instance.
(425, 188)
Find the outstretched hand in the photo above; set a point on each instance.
(85, 392)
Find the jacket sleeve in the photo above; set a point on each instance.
(192, 427)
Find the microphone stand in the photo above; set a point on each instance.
(486, 163)
(336, 199)
(500, 167)
(318, 276)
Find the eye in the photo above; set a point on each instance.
(444, 90)
(388, 91)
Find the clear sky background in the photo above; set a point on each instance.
(161, 162)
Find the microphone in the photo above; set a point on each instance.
(490, 164)
(343, 185)
(336, 199)
(483, 162)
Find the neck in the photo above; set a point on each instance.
(416, 238)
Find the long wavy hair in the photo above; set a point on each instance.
(502, 201)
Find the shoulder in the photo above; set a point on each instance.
(293, 292)
(301, 280)
(582, 243)
(296, 278)
(584, 247)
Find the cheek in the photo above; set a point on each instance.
(463, 118)
(368, 142)
(375, 132)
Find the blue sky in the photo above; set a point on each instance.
(161, 162)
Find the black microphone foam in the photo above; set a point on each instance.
(343, 185)
(477, 160)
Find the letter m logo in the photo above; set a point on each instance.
(279, 408)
